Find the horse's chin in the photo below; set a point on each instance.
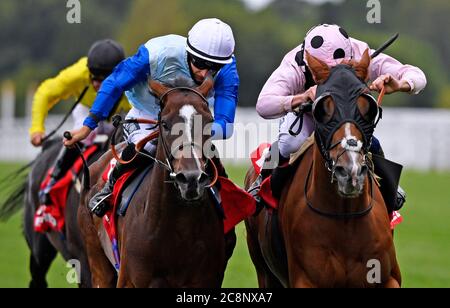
(191, 202)
(349, 195)
(350, 192)
(191, 199)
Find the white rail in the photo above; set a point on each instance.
(416, 138)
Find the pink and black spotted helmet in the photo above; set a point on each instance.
(329, 43)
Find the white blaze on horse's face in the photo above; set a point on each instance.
(352, 150)
(350, 169)
(188, 112)
(190, 178)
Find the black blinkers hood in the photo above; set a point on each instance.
(344, 87)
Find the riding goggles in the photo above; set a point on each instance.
(203, 64)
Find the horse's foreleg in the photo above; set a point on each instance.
(103, 274)
(124, 281)
(392, 283)
(299, 279)
(266, 279)
(230, 243)
(42, 251)
(395, 281)
(42, 256)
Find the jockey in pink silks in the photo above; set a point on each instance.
(292, 85)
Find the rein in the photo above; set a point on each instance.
(381, 96)
(83, 93)
(337, 215)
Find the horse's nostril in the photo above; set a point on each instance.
(364, 170)
(191, 178)
(203, 178)
(181, 178)
(340, 171)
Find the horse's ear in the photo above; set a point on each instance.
(362, 67)
(319, 69)
(157, 88)
(207, 84)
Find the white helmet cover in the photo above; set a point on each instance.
(212, 40)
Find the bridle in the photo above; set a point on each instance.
(362, 152)
(169, 156)
(338, 215)
(351, 144)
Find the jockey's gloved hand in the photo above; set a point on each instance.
(77, 135)
(37, 138)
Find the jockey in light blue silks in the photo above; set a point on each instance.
(208, 49)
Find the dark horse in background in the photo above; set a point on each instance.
(172, 234)
(332, 219)
(44, 247)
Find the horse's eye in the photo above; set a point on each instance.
(367, 107)
(324, 110)
(165, 125)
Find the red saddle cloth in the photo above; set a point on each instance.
(257, 157)
(236, 202)
(266, 195)
(110, 218)
(50, 217)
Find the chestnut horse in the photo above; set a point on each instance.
(171, 235)
(332, 222)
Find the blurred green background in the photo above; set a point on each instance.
(37, 41)
(423, 247)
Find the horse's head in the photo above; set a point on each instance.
(344, 114)
(185, 128)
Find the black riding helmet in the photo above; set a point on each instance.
(103, 56)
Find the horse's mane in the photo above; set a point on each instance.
(181, 81)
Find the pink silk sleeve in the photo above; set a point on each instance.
(287, 80)
(384, 64)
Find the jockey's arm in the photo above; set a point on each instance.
(226, 98)
(126, 74)
(283, 90)
(397, 76)
(70, 82)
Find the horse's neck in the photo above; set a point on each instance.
(324, 194)
(164, 197)
(160, 191)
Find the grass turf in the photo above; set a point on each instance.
(423, 248)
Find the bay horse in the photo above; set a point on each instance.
(171, 235)
(45, 246)
(332, 222)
